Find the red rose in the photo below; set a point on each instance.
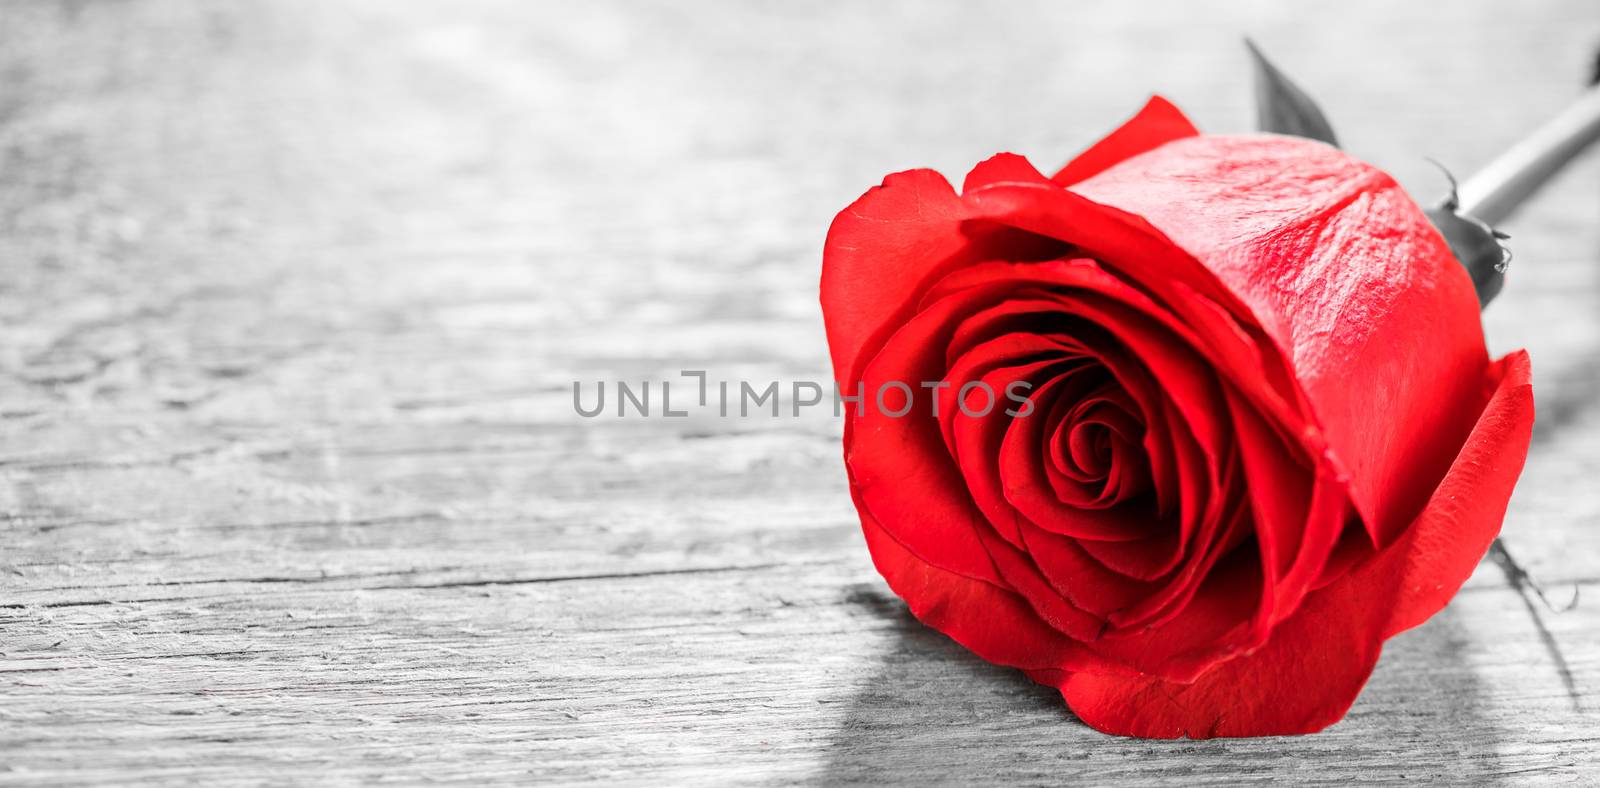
(1261, 436)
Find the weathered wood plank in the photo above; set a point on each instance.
(291, 296)
(653, 678)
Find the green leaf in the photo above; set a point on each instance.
(1282, 107)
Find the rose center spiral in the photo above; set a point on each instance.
(1095, 453)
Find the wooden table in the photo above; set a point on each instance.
(292, 296)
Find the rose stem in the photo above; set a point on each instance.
(1500, 188)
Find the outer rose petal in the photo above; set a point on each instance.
(1316, 662)
(1467, 508)
(1156, 124)
(878, 249)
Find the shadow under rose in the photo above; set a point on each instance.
(933, 713)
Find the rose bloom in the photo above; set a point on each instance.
(1264, 432)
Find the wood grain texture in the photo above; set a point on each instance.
(292, 295)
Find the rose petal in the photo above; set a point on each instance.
(1002, 168)
(1224, 617)
(877, 250)
(923, 503)
(1299, 506)
(1302, 680)
(1156, 124)
(1466, 510)
(975, 441)
(1023, 575)
(992, 622)
(1082, 580)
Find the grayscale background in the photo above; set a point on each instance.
(292, 295)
